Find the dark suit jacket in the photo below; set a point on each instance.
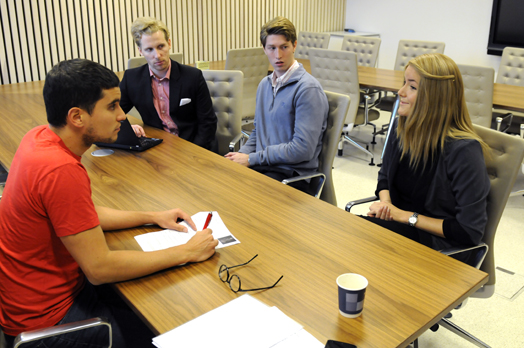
(196, 121)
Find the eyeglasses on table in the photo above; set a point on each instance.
(234, 281)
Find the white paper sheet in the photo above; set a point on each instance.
(302, 339)
(242, 322)
(169, 238)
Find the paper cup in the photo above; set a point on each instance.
(351, 293)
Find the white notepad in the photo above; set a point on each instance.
(153, 241)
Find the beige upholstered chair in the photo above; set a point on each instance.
(254, 64)
(307, 40)
(511, 68)
(225, 88)
(323, 186)
(478, 91)
(409, 49)
(337, 71)
(365, 47)
(138, 61)
(30, 336)
(511, 72)
(507, 153)
(521, 135)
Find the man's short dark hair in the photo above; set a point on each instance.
(278, 26)
(75, 83)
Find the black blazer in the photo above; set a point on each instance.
(458, 191)
(196, 121)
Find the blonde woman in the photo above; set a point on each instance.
(433, 183)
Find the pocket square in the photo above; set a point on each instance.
(185, 101)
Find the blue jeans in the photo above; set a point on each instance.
(98, 301)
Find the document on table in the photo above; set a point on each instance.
(168, 238)
(242, 322)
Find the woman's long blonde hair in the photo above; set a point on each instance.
(439, 113)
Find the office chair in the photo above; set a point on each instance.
(35, 335)
(337, 71)
(511, 72)
(507, 153)
(135, 62)
(254, 64)
(321, 184)
(225, 88)
(478, 92)
(3, 179)
(409, 49)
(366, 49)
(307, 40)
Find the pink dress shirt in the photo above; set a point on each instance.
(160, 89)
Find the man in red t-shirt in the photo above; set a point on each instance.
(51, 233)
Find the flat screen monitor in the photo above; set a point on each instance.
(507, 27)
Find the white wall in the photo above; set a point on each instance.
(462, 24)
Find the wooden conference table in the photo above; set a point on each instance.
(505, 97)
(306, 240)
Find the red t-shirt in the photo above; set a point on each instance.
(47, 196)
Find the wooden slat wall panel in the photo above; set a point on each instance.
(37, 34)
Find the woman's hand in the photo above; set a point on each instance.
(385, 211)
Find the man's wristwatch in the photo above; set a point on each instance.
(413, 219)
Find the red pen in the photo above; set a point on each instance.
(208, 220)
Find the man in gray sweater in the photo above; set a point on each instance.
(291, 112)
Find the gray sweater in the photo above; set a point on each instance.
(289, 126)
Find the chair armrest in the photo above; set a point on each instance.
(320, 185)
(35, 335)
(366, 92)
(485, 291)
(302, 177)
(360, 201)
(3, 178)
(499, 120)
(482, 252)
(233, 143)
